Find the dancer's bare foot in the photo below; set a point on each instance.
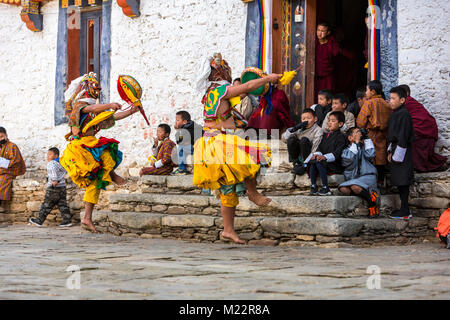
(259, 199)
(89, 225)
(232, 236)
(118, 179)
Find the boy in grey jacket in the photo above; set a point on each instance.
(302, 140)
(360, 174)
(56, 194)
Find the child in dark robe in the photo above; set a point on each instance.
(400, 139)
(355, 106)
(327, 159)
(426, 136)
(325, 106)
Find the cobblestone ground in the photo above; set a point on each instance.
(33, 264)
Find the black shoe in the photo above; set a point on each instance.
(400, 215)
(65, 224)
(325, 191)
(448, 241)
(299, 169)
(35, 222)
(313, 191)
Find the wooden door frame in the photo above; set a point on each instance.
(310, 36)
(310, 68)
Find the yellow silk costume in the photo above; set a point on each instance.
(88, 160)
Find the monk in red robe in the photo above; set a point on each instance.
(426, 134)
(280, 117)
(327, 51)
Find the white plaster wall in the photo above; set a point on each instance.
(28, 62)
(164, 49)
(424, 58)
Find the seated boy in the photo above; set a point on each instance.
(340, 103)
(359, 172)
(327, 159)
(325, 98)
(187, 133)
(56, 192)
(303, 140)
(400, 154)
(355, 106)
(162, 151)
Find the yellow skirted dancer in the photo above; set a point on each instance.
(224, 162)
(89, 161)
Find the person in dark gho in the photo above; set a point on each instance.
(360, 174)
(325, 105)
(327, 159)
(400, 156)
(187, 133)
(355, 106)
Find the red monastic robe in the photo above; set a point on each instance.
(325, 64)
(426, 134)
(280, 118)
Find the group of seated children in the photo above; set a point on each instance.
(383, 132)
(161, 162)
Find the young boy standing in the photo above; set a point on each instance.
(401, 137)
(340, 102)
(303, 140)
(187, 133)
(374, 115)
(327, 159)
(56, 192)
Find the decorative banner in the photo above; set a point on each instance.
(374, 39)
(265, 41)
(31, 16)
(64, 3)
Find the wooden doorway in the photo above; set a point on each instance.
(293, 47)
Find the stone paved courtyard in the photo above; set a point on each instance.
(33, 264)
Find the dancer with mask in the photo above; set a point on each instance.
(91, 162)
(224, 162)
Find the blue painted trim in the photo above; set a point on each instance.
(105, 52)
(252, 35)
(389, 46)
(61, 67)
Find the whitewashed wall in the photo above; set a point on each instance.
(424, 58)
(27, 88)
(164, 49)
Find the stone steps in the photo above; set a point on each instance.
(262, 230)
(281, 206)
(270, 183)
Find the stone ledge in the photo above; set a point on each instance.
(273, 230)
(188, 221)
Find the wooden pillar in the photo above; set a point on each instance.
(277, 29)
(311, 6)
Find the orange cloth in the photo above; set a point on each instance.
(374, 115)
(16, 168)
